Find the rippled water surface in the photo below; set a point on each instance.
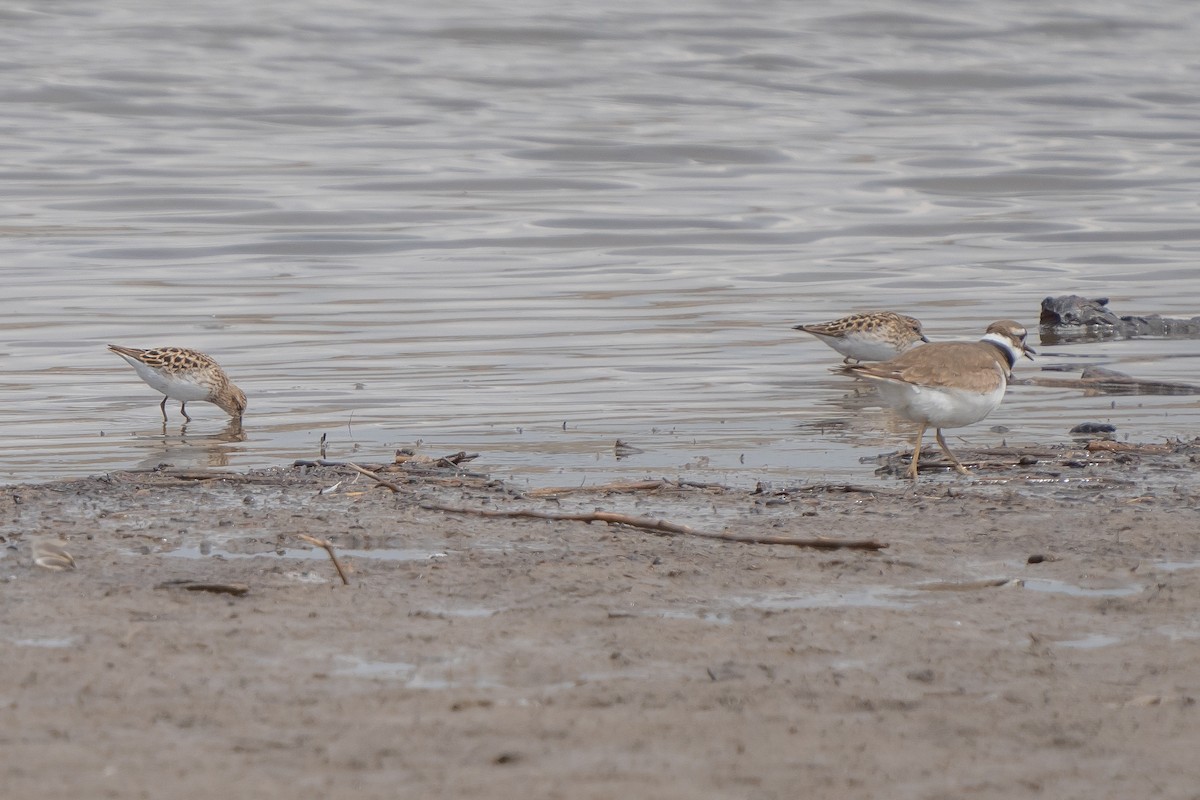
(532, 228)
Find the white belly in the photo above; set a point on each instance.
(940, 407)
(175, 386)
(863, 348)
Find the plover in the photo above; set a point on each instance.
(948, 384)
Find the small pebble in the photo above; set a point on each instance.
(921, 675)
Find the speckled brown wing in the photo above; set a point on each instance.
(859, 323)
(174, 360)
(179, 359)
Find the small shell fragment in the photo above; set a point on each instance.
(51, 555)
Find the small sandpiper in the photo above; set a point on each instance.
(948, 384)
(184, 375)
(877, 336)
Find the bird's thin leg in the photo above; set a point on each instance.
(912, 468)
(183, 410)
(957, 465)
(163, 406)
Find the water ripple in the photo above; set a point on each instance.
(531, 238)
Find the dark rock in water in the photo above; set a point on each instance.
(1094, 427)
(1110, 381)
(1072, 311)
(1106, 374)
(1101, 380)
(1155, 325)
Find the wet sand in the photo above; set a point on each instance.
(1033, 630)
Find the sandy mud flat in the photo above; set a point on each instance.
(1033, 630)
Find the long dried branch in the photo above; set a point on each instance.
(663, 526)
(645, 523)
(621, 487)
(1105, 445)
(604, 488)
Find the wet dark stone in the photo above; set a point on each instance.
(1094, 427)
(1074, 311)
(1071, 309)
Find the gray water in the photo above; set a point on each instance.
(531, 228)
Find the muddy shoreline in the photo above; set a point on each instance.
(1032, 630)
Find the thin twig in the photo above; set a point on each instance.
(665, 527)
(332, 555)
(623, 486)
(322, 462)
(317, 462)
(235, 589)
(604, 488)
(373, 476)
(456, 459)
(1127, 447)
(436, 469)
(702, 485)
(407, 456)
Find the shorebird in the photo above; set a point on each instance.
(948, 384)
(877, 336)
(183, 375)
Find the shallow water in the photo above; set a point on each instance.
(530, 229)
(380, 554)
(1060, 587)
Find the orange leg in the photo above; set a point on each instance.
(957, 464)
(911, 472)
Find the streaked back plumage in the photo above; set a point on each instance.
(874, 336)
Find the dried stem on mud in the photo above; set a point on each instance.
(373, 476)
(332, 555)
(645, 523)
(663, 526)
(620, 487)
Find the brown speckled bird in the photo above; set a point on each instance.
(877, 336)
(184, 375)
